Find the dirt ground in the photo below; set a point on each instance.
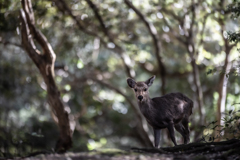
(227, 150)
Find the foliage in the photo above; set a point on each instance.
(234, 8)
(230, 129)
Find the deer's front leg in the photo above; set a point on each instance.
(157, 134)
(170, 128)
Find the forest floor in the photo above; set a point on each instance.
(194, 151)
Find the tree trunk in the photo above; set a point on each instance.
(45, 63)
(196, 80)
(222, 92)
(192, 53)
(222, 85)
(199, 93)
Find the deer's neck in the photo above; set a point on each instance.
(145, 103)
(147, 109)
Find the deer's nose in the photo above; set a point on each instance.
(140, 97)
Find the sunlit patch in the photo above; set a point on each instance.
(207, 132)
(92, 144)
(111, 9)
(142, 56)
(84, 16)
(80, 64)
(119, 107)
(179, 4)
(66, 98)
(111, 45)
(67, 87)
(159, 15)
(106, 95)
(165, 28)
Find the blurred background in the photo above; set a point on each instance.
(98, 44)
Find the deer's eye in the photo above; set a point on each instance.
(135, 90)
(145, 89)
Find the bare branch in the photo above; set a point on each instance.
(63, 7)
(121, 93)
(172, 14)
(61, 4)
(153, 32)
(118, 49)
(203, 28)
(27, 40)
(48, 52)
(10, 43)
(99, 18)
(172, 31)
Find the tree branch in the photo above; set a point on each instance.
(99, 18)
(27, 40)
(61, 4)
(11, 43)
(153, 32)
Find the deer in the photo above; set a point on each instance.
(168, 111)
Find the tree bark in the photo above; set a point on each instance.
(192, 53)
(197, 83)
(45, 63)
(222, 94)
(222, 84)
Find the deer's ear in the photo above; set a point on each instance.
(131, 83)
(149, 82)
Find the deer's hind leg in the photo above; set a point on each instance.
(170, 128)
(179, 127)
(186, 128)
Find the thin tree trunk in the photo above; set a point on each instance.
(45, 64)
(222, 85)
(192, 52)
(222, 91)
(199, 94)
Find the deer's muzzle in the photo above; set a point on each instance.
(140, 98)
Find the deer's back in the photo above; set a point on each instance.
(172, 106)
(174, 102)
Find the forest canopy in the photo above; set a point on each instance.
(64, 65)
